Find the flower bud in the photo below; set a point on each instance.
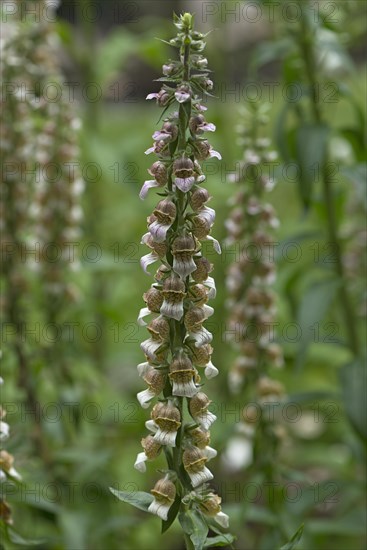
(159, 329)
(203, 268)
(199, 197)
(199, 294)
(201, 227)
(154, 299)
(159, 171)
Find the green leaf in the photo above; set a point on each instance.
(11, 535)
(219, 540)
(193, 525)
(314, 305)
(283, 137)
(311, 142)
(353, 382)
(172, 514)
(113, 53)
(139, 499)
(357, 174)
(294, 540)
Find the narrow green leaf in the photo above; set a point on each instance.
(314, 305)
(311, 142)
(139, 499)
(219, 540)
(282, 136)
(294, 540)
(11, 535)
(354, 382)
(172, 514)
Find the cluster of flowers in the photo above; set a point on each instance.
(40, 204)
(179, 346)
(17, 129)
(56, 208)
(7, 470)
(251, 301)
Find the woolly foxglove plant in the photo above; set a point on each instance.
(179, 346)
(251, 302)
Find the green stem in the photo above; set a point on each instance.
(310, 67)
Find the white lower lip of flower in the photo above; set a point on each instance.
(210, 452)
(213, 153)
(207, 213)
(210, 283)
(159, 509)
(2, 476)
(222, 519)
(159, 231)
(151, 426)
(148, 259)
(4, 430)
(185, 184)
(216, 244)
(144, 312)
(198, 478)
(181, 97)
(201, 337)
(183, 267)
(184, 389)
(211, 371)
(143, 368)
(208, 310)
(145, 397)
(149, 347)
(140, 462)
(173, 311)
(165, 438)
(205, 419)
(149, 184)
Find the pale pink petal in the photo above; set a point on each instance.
(149, 184)
(185, 184)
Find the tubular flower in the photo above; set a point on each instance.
(178, 341)
(252, 303)
(168, 419)
(182, 377)
(174, 291)
(199, 411)
(151, 451)
(164, 493)
(194, 461)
